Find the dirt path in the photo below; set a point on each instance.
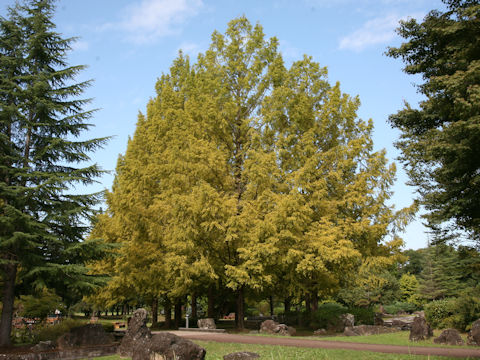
(299, 342)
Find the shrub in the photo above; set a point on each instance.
(327, 316)
(46, 332)
(108, 327)
(463, 312)
(400, 307)
(437, 311)
(41, 304)
(363, 316)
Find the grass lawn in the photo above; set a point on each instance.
(397, 338)
(216, 351)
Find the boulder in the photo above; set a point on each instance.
(473, 337)
(207, 323)
(272, 327)
(367, 330)
(420, 329)
(377, 320)
(87, 335)
(43, 346)
(401, 325)
(139, 344)
(449, 337)
(137, 331)
(419, 313)
(167, 346)
(241, 355)
(348, 320)
(320, 332)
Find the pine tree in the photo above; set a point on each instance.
(440, 140)
(42, 224)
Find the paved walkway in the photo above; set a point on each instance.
(310, 343)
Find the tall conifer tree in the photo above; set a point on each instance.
(243, 172)
(42, 225)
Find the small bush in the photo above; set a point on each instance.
(108, 327)
(399, 307)
(363, 316)
(46, 332)
(463, 312)
(327, 316)
(437, 311)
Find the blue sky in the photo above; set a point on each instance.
(128, 44)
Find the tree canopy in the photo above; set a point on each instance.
(42, 223)
(440, 140)
(247, 175)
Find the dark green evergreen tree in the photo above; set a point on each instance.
(441, 274)
(440, 141)
(42, 224)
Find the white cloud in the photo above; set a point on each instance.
(289, 51)
(380, 30)
(150, 20)
(80, 45)
(189, 48)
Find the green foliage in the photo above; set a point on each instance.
(247, 175)
(41, 305)
(437, 311)
(414, 263)
(45, 332)
(327, 316)
(409, 287)
(441, 274)
(42, 223)
(363, 315)
(376, 286)
(108, 327)
(399, 307)
(464, 310)
(439, 141)
(458, 313)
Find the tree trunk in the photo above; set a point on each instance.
(211, 302)
(308, 307)
(10, 273)
(155, 312)
(287, 304)
(240, 313)
(271, 305)
(178, 313)
(314, 298)
(194, 306)
(168, 313)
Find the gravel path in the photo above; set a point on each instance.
(299, 342)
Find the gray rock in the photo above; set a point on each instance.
(449, 337)
(348, 320)
(367, 330)
(139, 344)
(137, 331)
(207, 323)
(167, 346)
(377, 320)
(420, 329)
(44, 346)
(87, 335)
(401, 325)
(241, 355)
(272, 327)
(320, 332)
(473, 337)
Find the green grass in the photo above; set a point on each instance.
(216, 351)
(396, 338)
